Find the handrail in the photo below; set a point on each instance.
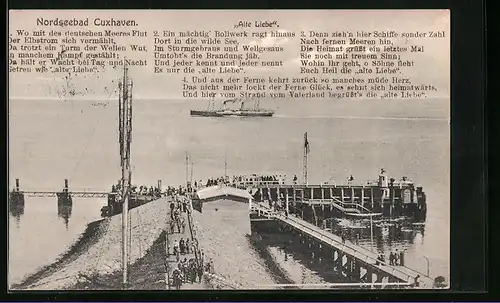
(352, 250)
(347, 248)
(332, 285)
(344, 205)
(350, 203)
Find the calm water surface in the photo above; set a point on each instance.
(51, 140)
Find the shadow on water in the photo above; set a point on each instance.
(388, 235)
(16, 205)
(292, 256)
(292, 263)
(64, 212)
(90, 236)
(64, 205)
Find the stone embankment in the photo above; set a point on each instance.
(97, 255)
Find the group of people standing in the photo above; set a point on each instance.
(152, 191)
(395, 258)
(183, 247)
(173, 191)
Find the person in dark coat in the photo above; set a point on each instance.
(200, 272)
(402, 258)
(177, 278)
(172, 210)
(182, 246)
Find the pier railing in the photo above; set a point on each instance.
(346, 207)
(367, 256)
(362, 285)
(75, 194)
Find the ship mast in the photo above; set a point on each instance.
(125, 139)
(187, 169)
(306, 153)
(225, 165)
(191, 177)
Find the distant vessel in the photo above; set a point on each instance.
(256, 111)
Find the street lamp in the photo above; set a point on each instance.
(427, 259)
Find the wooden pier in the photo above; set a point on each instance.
(390, 200)
(352, 260)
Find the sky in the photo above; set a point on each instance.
(431, 67)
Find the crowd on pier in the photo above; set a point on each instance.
(152, 191)
(189, 258)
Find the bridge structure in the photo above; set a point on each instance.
(84, 193)
(74, 194)
(352, 261)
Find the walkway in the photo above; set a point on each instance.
(172, 263)
(402, 273)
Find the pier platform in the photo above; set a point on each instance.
(350, 258)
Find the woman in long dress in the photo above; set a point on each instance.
(177, 279)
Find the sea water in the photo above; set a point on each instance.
(53, 140)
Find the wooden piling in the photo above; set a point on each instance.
(363, 196)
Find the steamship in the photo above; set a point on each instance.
(212, 111)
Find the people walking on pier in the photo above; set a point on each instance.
(177, 278)
(396, 258)
(182, 246)
(416, 282)
(193, 270)
(199, 269)
(172, 226)
(194, 246)
(177, 222)
(172, 208)
(343, 237)
(183, 224)
(183, 266)
(402, 258)
(187, 246)
(380, 259)
(391, 258)
(176, 250)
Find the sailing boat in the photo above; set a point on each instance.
(256, 111)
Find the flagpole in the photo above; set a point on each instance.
(306, 152)
(225, 165)
(187, 169)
